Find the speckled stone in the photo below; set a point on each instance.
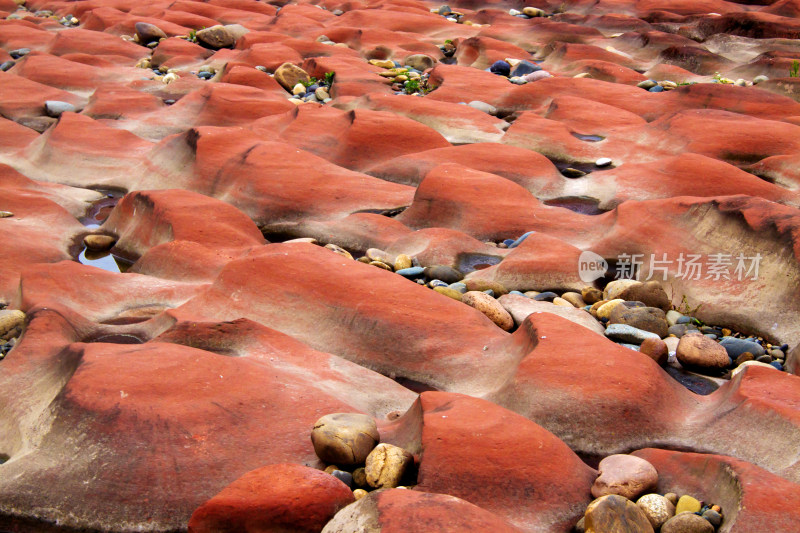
(489, 307)
(657, 508)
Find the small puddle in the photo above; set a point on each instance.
(588, 138)
(694, 383)
(579, 204)
(587, 168)
(467, 263)
(98, 212)
(104, 260)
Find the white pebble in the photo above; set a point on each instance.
(603, 162)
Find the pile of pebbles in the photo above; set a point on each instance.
(303, 87)
(639, 315)
(454, 16)
(409, 78)
(349, 443)
(443, 279)
(634, 314)
(623, 493)
(69, 20)
(655, 86)
(518, 71)
(12, 322)
(314, 90)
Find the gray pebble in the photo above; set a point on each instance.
(54, 108)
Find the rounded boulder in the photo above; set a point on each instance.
(344, 438)
(275, 498)
(624, 475)
(698, 351)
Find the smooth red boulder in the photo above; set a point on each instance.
(496, 459)
(177, 215)
(273, 499)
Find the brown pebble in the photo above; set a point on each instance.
(489, 307)
(381, 264)
(591, 295)
(99, 243)
(656, 349)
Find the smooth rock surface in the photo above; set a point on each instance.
(624, 475)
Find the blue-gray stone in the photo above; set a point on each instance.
(522, 238)
(508, 242)
(19, 52)
(6, 65)
(518, 293)
(444, 10)
(684, 320)
(54, 108)
(629, 346)
(710, 336)
(458, 286)
(490, 292)
(626, 333)
(647, 84)
(656, 89)
(713, 517)
(411, 272)
(344, 477)
(736, 347)
(546, 296)
(777, 365)
(679, 330)
(784, 348)
(205, 75)
(501, 68)
(443, 272)
(525, 67)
